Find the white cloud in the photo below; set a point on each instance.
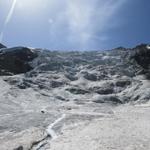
(75, 23)
(50, 21)
(84, 19)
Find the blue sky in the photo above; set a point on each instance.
(74, 24)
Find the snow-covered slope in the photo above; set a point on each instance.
(38, 87)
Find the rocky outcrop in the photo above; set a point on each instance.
(77, 91)
(142, 58)
(16, 60)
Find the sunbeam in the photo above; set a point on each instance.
(9, 16)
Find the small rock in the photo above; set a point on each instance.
(19, 148)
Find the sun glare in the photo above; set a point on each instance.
(30, 5)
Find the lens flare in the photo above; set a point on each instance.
(8, 18)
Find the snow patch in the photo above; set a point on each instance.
(148, 46)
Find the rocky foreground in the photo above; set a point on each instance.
(96, 100)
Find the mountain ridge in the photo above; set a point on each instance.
(70, 100)
(118, 68)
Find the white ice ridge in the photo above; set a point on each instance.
(148, 46)
(50, 131)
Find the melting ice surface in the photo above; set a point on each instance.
(50, 131)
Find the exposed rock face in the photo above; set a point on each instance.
(142, 57)
(63, 91)
(16, 60)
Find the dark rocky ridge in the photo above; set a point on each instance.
(15, 60)
(142, 58)
(109, 74)
(21, 60)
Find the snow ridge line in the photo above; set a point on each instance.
(50, 131)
